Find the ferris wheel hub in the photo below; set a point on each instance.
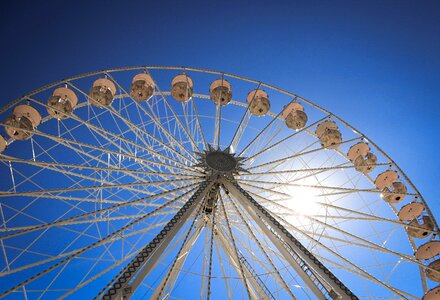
(220, 162)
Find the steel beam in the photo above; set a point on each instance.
(174, 272)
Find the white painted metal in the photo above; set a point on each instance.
(152, 145)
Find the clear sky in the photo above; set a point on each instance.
(376, 64)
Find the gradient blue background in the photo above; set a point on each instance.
(376, 64)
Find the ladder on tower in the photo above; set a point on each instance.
(327, 292)
(255, 275)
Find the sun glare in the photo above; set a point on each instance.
(304, 204)
(304, 200)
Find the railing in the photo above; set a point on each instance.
(255, 275)
(329, 294)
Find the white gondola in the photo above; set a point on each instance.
(22, 122)
(258, 102)
(386, 179)
(329, 135)
(220, 91)
(363, 160)
(394, 193)
(432, 294)
(433, 272)
(428, 250)
(295, 116)
(62, 102)
(421, 228)
(182, 88)
(102, 92)
(142, 87)
(3, 143)
(411, 211)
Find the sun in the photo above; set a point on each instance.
(304, 200)
(303, 204)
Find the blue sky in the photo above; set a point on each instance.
(374, 63)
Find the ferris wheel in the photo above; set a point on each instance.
(183, 183)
